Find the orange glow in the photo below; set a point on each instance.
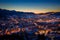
(44, 31)
(15, 30)
(36, 11)
(48, 30)
(12, 31)
(36, 33)
(41, 32)
(18, 29)
(7, 32)
(23, 29)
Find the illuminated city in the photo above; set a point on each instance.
(29, 19)
(33, 24)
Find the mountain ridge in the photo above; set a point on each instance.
(4, 13)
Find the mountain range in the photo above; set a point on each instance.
(6, 13)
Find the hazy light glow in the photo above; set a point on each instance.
(36, 6)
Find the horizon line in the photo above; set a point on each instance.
(29, 11)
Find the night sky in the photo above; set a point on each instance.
(37, 6)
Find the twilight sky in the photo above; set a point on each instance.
(37, 6)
